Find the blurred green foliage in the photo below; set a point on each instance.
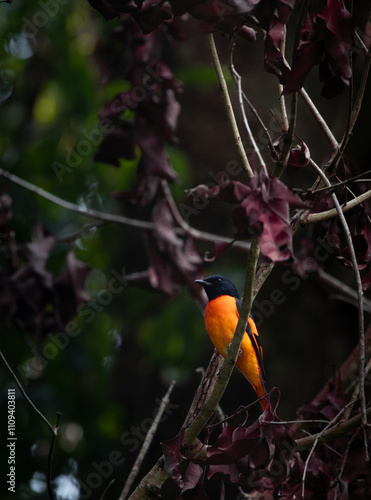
(50, 98)
(107, 379)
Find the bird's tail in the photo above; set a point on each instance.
(260, 391)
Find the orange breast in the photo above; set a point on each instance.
(221, 318)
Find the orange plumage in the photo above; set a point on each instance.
(221, 318)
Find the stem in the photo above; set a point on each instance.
(228, 106)
(94, 214)
(150, 434)
(50, 458)
(238, 81)
(51, 427)
(285, 120)
(361, 329)
(288, 138)
(313, 447)
(342, 428)
(150, 485)
(321, 122)
(333, 212)
(118, 219)
(192, 432)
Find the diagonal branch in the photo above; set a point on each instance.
(101, 217)
(333, 212)
(53, 428)
(228, 106)
(361, 328)
(192, 432)
(241, 97)
(135, 469)
(340, 429)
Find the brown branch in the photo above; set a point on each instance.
(148, 439)
(333, 212)
(228, 106)
(118, 219)
(340, 429)
(241, 97)
(192, 432)
(72, 207)
(150, 485)
(320, 120)
(50, 426)
(196, 233)
(205, 388)
(317, 437)
(53, 428)
(361, 326)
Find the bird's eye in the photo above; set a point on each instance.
(219, 280)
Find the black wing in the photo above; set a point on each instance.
(255, 342)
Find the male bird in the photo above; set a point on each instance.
(221, 318)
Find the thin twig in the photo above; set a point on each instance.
(228, 106)
(50, 458)
(315, 442)
(118, 219)
(238, 81)
(342, 428)
(285, 120)
(361, 328)
(356, 391)
(333, 212)
(103, 495)
(51, 427)
(320, 120)
(343, 461)
(192, 432)
(355, 178)
(80, 232)
(334, 161)
(72, 207)
(148, 439)
(198, 235)
(288, 138)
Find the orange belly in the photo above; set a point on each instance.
(221, 318)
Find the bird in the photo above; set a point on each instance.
(221, 317)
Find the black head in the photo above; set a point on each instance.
(218, 285)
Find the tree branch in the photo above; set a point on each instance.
(150, 485)
(53, 428)
(118, 219)
(148, 439)
(238, 81)
(361, 329)
(333, 212)
(340, 429)
(50, 426)
(228, 106)
(192, 432)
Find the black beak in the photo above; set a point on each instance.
(202, 283)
